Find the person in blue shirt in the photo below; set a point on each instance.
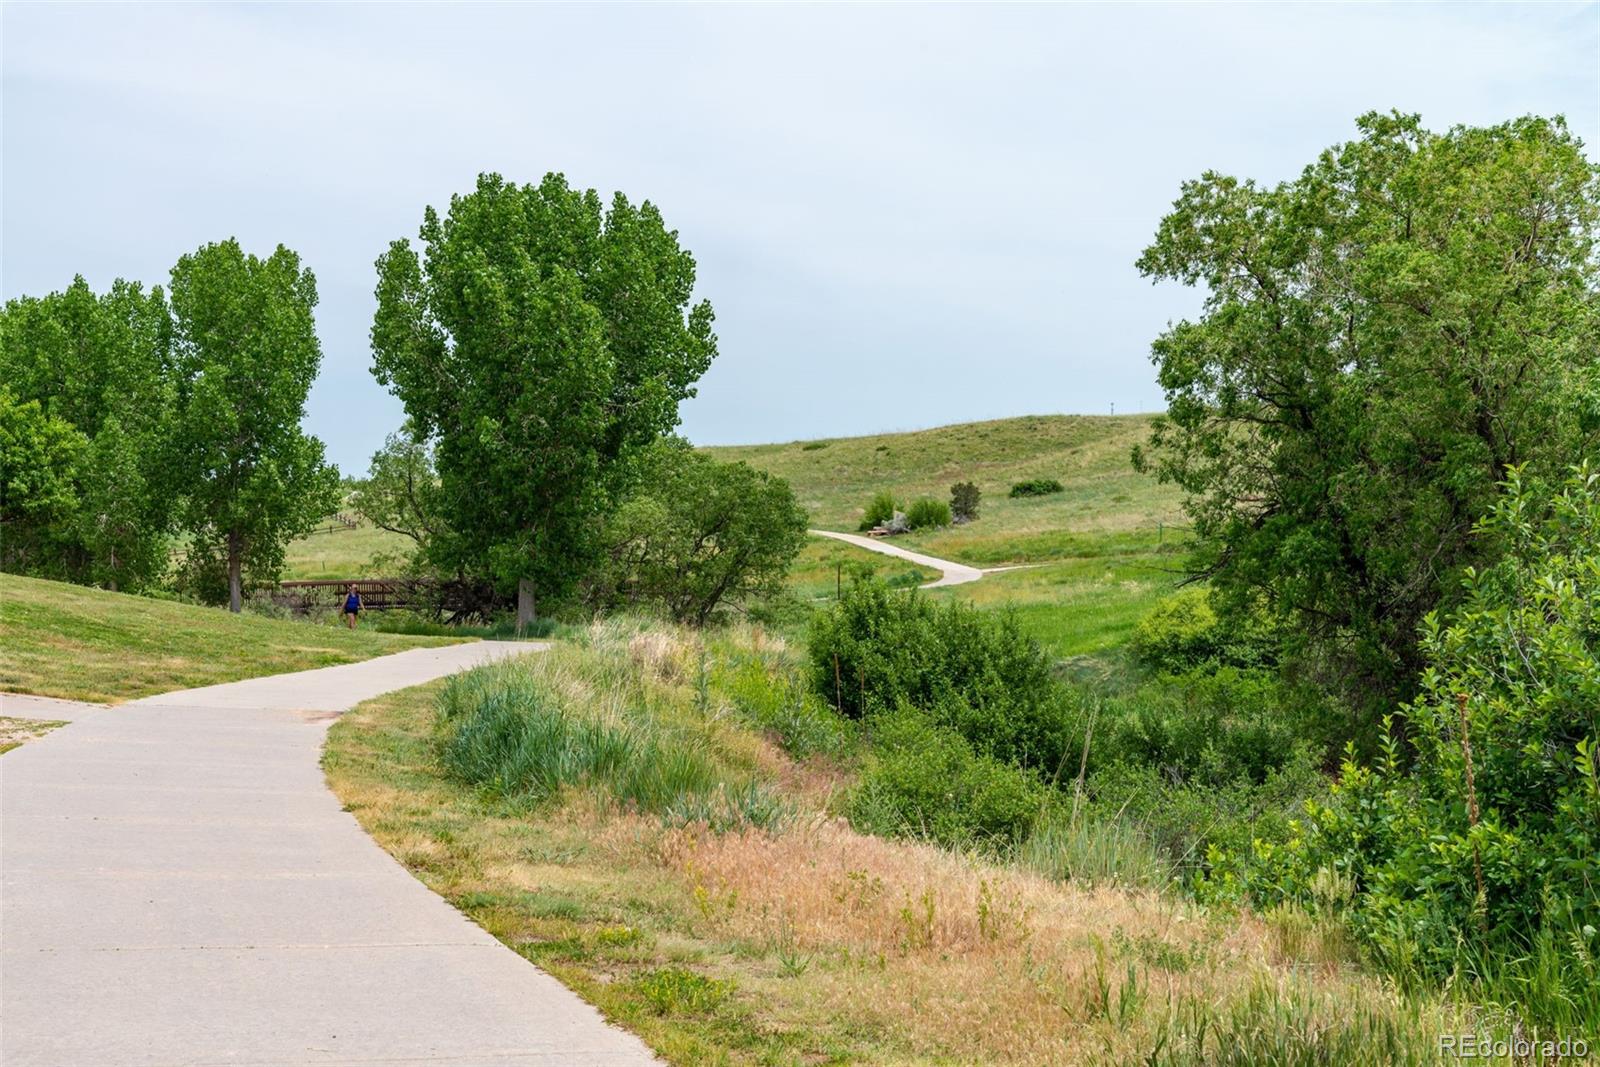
(352, 606)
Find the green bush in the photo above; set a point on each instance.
(1209, 727)
(1483, 840)
(879, 511)
(1179, 633)
(1183, 633)
(964, 498)
(928, 513)
(1192, 823)
(972, 670)
(1036, 487)
(926, 781)
(698, 535)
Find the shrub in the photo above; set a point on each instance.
(1179, 633)
(927, 781)
(1036, 487)
(964, 497)
(1183, 633)
(1485, 837)
(879, 511)
(1212, 728)
(972, 670)
(1193, 823)
(927, 513)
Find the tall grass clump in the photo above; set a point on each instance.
(1289, 1026)
(510, 730)
(1095, 851)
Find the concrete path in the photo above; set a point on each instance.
(24, 706)
(952, 573)
(178, 886)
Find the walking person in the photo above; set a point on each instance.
(352, 606)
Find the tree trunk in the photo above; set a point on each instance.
(235, 597)
(524, 604)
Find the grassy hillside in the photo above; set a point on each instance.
(1098, 554)
(87, 644)
(1089, 454)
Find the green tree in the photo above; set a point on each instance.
(542, 342)
(964, 498)
(1382, 337)
(700, 534)
(101, 363)
(401, 491)
(246, 353)
(39, 459)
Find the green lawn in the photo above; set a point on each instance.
(87, 644)
(1080, 606)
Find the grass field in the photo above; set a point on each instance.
(87, 644)
(344, 553)
(823, 564)
(811, 943)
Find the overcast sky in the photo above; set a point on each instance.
(904, 216)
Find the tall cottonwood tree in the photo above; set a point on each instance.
(245, 352)
(101, 363)
(1382, 338)
(541, 341)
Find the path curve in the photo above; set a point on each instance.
(952, 573)
(179, 886)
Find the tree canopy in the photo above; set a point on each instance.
(699, 534)
(541, 342)
(245, 352)
(99, 364)
(1382, 337)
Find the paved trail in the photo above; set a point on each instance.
(178, 886)
(952, 573)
